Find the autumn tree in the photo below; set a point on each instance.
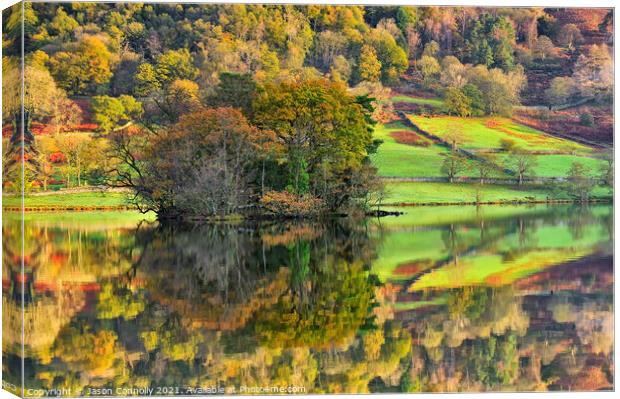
(198, 167)
(369, 66)
(42, 102)
(429, 68)
(457, 103)
(500, 90)
(392, 57)
(168, 67)
(560, 91)
(326, 133)
(593, 73)
(569, 36)
(544, 48)
(75, 147)
(85, 69)
(62, 25)
(453, 73)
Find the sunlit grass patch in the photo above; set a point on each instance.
(419, 193)
(488, 133)
(433, 102)
(402, 160)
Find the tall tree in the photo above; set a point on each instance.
(326, 131)
(85, 69)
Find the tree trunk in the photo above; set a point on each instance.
(79, 173)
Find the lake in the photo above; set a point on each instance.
(496, 298)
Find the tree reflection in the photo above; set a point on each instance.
(297, 304)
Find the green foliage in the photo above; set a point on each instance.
(298, 176)
(169, 66)
(110, 112)
(324, 129)
(406, 16)
(62, 24)
(476, 101)
(491, 41)
(369, 66)
(235, 90)
(430, 68)
(457, 102)
(393, 58)
(146, 80)
(85, 70)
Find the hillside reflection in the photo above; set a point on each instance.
(517, 302)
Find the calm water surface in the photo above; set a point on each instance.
(440, 299)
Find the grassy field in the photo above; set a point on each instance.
(397, 159)
(420, 193)
(558, 165)
(488, 133)
(433, 102)
(107, 199)
(403, 160)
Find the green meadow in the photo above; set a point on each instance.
(433, 102)
(420, 193)
(487, 133)
(395, 159)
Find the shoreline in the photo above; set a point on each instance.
(371, 213)
(508, 202)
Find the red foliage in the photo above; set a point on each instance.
(410, 138)
(7, 130)
(57, 157)
(567, 123)
(85, 127)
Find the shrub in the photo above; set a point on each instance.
(507, 144)
(283, 203)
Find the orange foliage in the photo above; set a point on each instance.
(410, 138)
(287, 204)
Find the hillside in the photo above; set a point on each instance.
(414, 149)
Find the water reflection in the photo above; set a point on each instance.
(517, 299)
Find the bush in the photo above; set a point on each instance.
(283, 203)
(586, 119)
(507, 145)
